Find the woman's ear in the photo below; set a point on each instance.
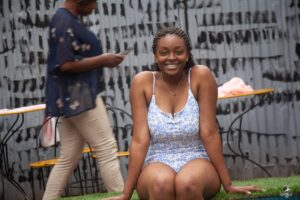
(188, 57)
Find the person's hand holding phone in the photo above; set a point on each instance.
(127, 51)
(112, 59)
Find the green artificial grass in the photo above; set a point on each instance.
(98, 196)
(271, 187)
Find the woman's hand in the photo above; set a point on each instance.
(243, 189)
(111, 59)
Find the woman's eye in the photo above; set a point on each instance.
(179, 52)
(163, 53)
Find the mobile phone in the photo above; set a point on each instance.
(127, 51)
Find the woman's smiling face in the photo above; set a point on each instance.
(171, 54)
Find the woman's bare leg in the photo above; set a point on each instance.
(157, 181)
(197, 180)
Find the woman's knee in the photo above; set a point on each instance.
(156, 184)
(162, 184)
(186, 185)
(199, 178)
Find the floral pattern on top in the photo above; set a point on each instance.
(174, 140)
(69, 94)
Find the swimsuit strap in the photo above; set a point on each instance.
(189, 77)
(153, 84)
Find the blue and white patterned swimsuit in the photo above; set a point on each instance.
(174, 140)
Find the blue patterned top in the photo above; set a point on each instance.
(69, 94)
(174, 140)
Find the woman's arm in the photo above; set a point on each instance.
(140, 139)
(207, 99)
(86, 64)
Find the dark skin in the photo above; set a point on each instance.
(110, 60)
(199, 178)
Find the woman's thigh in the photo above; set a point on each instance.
(200, 174)
(156, 178)
(71, 141)
(94, 126)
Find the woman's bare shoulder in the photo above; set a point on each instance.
(201, 70)
(143, 77)
(143, 74)
(141, 86)
(142, 80)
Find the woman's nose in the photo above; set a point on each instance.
(171, 56)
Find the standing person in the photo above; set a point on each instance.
(176, 151)
(74, 80)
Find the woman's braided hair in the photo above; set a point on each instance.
(173, 30)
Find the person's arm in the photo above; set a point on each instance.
(207, 99)
(140, 139)
(86, 64)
